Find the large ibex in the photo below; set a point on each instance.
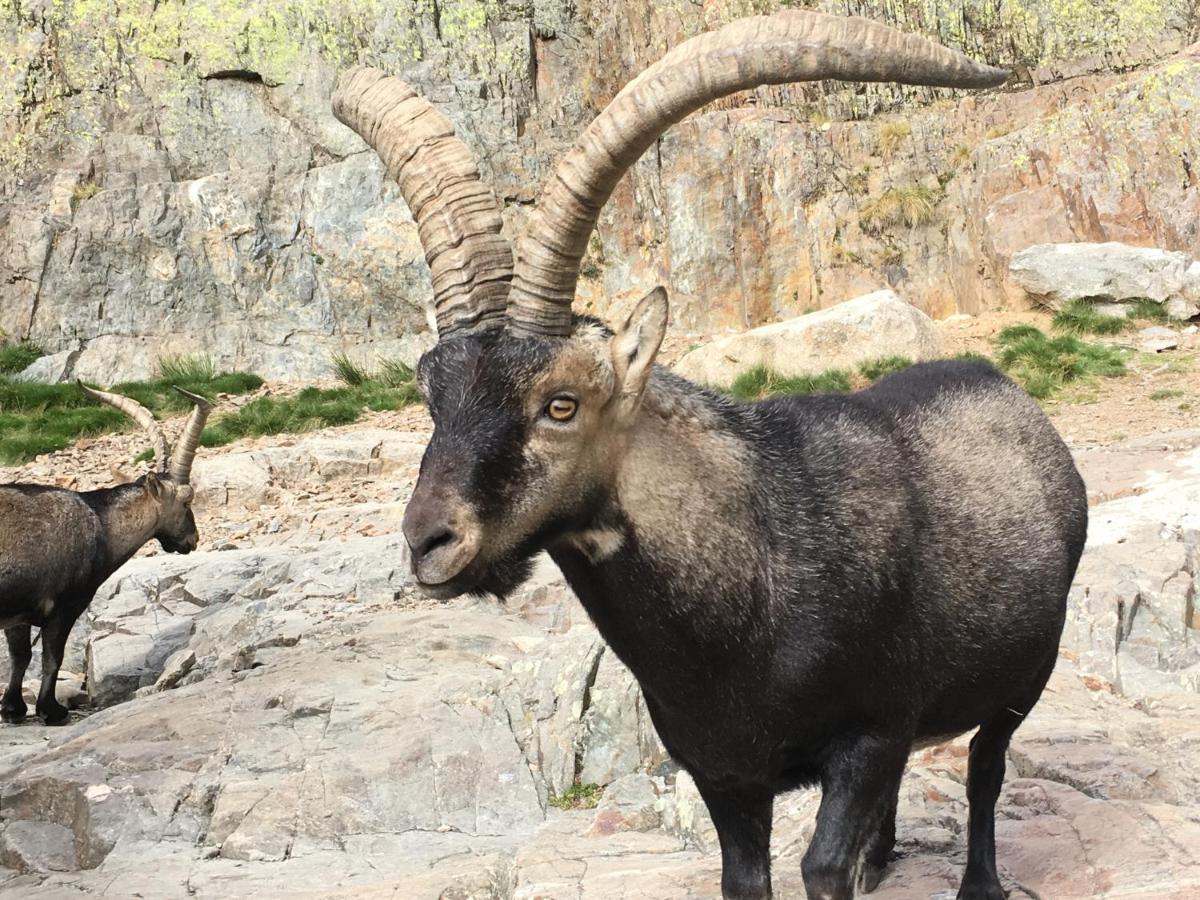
(805, 589)
(58, 546)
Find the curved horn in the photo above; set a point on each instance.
(139, 414)
(792, 45)
(458, 218)
(189, 440)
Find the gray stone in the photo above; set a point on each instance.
(1056, 274)
(871, 327)
(55, 368)
(32, 846)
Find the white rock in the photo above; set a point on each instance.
(1056, 274)
(874, 326)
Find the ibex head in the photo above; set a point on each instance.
(533, 406)
(168, 486)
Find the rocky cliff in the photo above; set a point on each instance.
(173, 179)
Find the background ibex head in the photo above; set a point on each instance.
(168, 485)
(532, 405)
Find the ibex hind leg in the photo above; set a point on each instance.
(985, 775)
(54, 642)
(13, 707)
(880, 845)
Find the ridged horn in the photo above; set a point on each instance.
(189, 439)
(789, 46)
(139, 414)
(458, 218)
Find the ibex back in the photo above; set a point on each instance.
(805, 589)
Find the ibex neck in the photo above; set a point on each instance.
(128, 517)
(673, 560)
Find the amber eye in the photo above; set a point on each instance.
(562, 409)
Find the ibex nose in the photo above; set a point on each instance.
(442, 537)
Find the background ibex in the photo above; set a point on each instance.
(58, 546)
(805, 589)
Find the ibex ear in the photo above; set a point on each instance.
(154, 485)
(635, 346)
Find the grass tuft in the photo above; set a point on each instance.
(891, 135)
(182, 367)
(1080, 317)
(349, 372)
(760, 383)
(1166, 394)
(874, 369)
(578, 796)
(913, 206)
(17, 357)
(1148, 310)
(1044, 365)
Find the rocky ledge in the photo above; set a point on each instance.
(292, 719)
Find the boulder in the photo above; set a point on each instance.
(873, 326)
(1056, 274)
(57, 368)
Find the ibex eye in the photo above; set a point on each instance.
(562, 409)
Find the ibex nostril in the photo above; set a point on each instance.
(435, 540)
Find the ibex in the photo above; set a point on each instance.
(807, 588)
(58, 546)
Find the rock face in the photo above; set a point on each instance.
(175, 182)
(1056, 274)
(876, 326)
(297, 719)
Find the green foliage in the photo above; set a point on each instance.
(1044, 365)
(760, 383)
(1166, 394)
(17, 357)
(874, 369)
(578, 796)
(1080, 317)
(914, 205)
(43, 418)
(313, 408)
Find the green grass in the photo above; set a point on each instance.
(43, 418)
(1166, 394)
(314, 408)
(17, 357)
(348, 371)
(182, 368)
(1044, 365)
(1080, 317)
(1148, 310)
(579, 796)
(874, 369)
(760, 382)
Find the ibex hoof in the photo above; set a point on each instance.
(54, 715)
(13, 715)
